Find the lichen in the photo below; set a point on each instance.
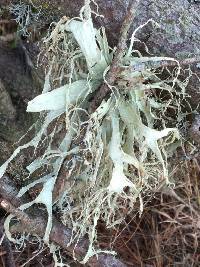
(114, 155)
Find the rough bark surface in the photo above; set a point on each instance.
(36, 224)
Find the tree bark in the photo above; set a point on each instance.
(36, 224)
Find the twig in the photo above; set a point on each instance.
(36, 224)
(9, 259)
(187, 61)
(9, 191)
(115, 67)
(143, 65)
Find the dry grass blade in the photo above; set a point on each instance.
(168, 232)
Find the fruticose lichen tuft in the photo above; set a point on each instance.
(113, 156)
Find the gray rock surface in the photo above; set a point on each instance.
(179, 21)
(7, 109)
(177, 35)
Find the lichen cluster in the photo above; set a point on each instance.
(25, 15)
(110, 157)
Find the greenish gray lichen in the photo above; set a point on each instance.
(115, 155)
